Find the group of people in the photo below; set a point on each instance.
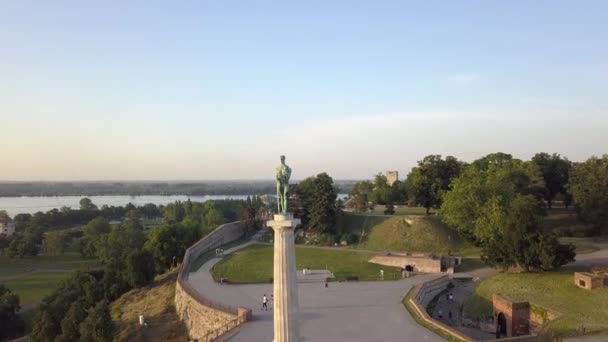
(265, 302)
(219, 252)
(450, 299)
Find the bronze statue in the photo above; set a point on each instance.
(283, 174)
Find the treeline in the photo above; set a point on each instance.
(498, 202)
(14, 189)
(79, 309)
(45, 232)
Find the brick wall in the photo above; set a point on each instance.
(517, 315)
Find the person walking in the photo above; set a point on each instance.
(264, 303)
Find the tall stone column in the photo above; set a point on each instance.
(285, 284)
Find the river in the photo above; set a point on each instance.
(30, 205)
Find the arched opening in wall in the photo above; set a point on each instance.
(501, 324)
(409, 268)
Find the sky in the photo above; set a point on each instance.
(196, 90)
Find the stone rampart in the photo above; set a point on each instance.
(421, 295)
(206, 319)
(424, 264)
(430, 289)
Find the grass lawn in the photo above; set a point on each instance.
(254, 264)
(203, 258)
(33, 288)
(69, 261)
(426, 234)
(156, 302)
(555, 290)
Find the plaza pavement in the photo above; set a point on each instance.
(353, 311)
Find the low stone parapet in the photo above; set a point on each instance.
(207, 320)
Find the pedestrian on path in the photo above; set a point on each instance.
(440, 314)
(264, 301)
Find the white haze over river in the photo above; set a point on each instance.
(30, 205)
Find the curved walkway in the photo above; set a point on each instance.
(356, 311)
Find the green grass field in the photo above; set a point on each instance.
(555, 291)
(427, 234)
(33, 288)
(254, 264)
(69, 261)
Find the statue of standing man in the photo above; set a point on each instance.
(283, 174)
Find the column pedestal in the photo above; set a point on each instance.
(285, 284)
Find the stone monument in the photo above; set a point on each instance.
(285, 284)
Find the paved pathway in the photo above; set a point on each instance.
(356, 311)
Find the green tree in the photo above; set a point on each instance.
(87, 204)
(98, 326)
(170, 240)
(140, 270)
(54, 243)
(4, 243)
(10, 322)
(120, 242)
(317, 196)
(25, 243)
(589, 188)
(213, 215)
(174, 212)
(90, 234)
(518, 241)
(431, 179)
(555, 171)
(70, 324)
(360, 196)
(44, 327)
(495, 201)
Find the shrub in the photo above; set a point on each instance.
(352, 278)
(348, 238)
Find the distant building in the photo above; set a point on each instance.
(6, 227)
(392, 177)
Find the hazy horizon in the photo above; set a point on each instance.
(113, 91)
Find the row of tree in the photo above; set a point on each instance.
(498, 202)
(78, 310)
(585, 184)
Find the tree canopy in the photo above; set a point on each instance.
(428, 181)
(589, 188)
(315, 199)
(555, 171)
(496, 201)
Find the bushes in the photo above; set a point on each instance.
(348, 239)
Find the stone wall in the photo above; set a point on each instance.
(206, 319)
(419, 298)
(418, 263)
(430, 289)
